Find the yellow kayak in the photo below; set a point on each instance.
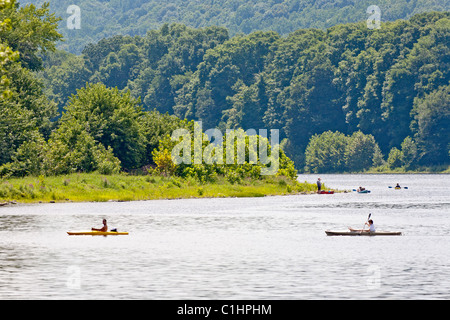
(96, 233)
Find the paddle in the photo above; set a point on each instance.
(365, 223)
(390, 187)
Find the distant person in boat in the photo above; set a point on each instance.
(361, 189)
(103, 229)
(319, 185)
(368, 223)
(397, 186)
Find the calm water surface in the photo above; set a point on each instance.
(252, 248)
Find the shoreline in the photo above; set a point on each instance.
(424, 170)
(94, 187)
(18, 203)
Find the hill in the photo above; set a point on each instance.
(391, 84)
(102, 18)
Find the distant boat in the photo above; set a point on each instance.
(326, 192)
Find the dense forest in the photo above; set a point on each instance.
(391, 84)
(105, 18)
(101, 129)
(344, 99)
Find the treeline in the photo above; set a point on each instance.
(390, 83)
(102, 19)
(99, 129)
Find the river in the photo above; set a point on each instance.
(240, 248)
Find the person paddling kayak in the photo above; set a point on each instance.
(103, 229)
(368, 223)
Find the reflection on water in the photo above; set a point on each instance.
(255, 248)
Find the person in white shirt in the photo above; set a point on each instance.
(368, 223)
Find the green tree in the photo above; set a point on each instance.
(395, 158)
(136, 17)
(33, 30)
(346, 78)
(360, 152)
(6, 53)
(431, 123)
(72, 149)
(110, 117)
(409, 152)
(23, 106)
(326, 152)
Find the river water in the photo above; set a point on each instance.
(242, 248)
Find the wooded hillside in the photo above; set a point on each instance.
(106, 18)
(391, 83)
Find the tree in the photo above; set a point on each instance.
(63, 78)
(33, 30)
(326, 152)
(395, 158)
(110, 117)
(23, 106)
(136, 17)
(6, 53)
(72, 149)
(430, 126)
(360, 152)
(409, 152)
(347, 78)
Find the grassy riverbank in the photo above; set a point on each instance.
(95, 187)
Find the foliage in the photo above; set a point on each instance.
(431, 125)
(110, 118)
(210, 160)
(336, 152)
(325, 152)
(24, 108)
(33, 30)
(409, 152)
(6, 53)
(101, 19)
(395, 158)
(347, 78)
(341, 97)
(164, 163)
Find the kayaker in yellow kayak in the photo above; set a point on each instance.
(103, 229)
(368, 223)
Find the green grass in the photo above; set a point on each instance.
(94, 187)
